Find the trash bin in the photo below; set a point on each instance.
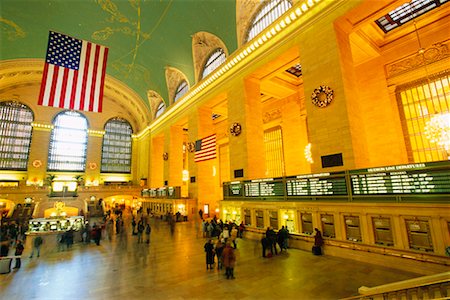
(5, 265)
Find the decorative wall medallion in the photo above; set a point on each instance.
(191, 147)
(322, 96)
(37, 163)
(92, 166)
(235, 129)
(165, 156)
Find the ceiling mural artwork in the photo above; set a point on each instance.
(143, 36)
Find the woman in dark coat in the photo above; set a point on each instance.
(209, 249)
(318, 242)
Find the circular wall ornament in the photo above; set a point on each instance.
(37, 163)
(191, 147)
(235, 129)
(92, 166)
(165, 156)
(322, 96)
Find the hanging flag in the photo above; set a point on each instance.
(205, 148)
(74, 74)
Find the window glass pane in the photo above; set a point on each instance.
(407, 12)
(181, 90)
(15, 135)
(273, 144)
(116, 151)
(161, 108)
(270, 11)
(427, 117)
(213, 62)
(68, 144)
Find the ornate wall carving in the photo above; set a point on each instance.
(173, 79)
(271, 115)
(432, 54)
(203, 43)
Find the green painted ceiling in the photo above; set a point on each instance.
(143, 36)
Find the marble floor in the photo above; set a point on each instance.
(173, 267)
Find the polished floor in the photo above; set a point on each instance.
(173, 267)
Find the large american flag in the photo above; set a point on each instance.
(205, 148)
(74, 74)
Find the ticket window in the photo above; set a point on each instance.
(247, 217)
(307, 224)
(328, 226)
(419, 235)
(288, 220)
(273, 215)
(352, 228)
(259, 218)
(383, 231)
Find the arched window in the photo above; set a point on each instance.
(181, 90)
(269, 12)
(116, 150)
(214, 61)
(15, 135)
(68, 143)
(161, 108)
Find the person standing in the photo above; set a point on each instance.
(229, 260)
(37, 243)
(18, 253)
(209, 249)
(148, 230)
(318, 242)
(219, 249)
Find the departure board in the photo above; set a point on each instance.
(264, 188)
(316, 184)
(402, 179)
(235, 189)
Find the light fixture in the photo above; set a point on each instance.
(308, 154)
(437, 130)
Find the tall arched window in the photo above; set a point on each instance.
(116, 150)
(68, 144)
(15, 135)
(269, 12)
(181, 90)
(161, 108)
(214, 61)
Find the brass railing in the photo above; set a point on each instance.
(427, 287)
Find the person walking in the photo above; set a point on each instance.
(148, 230)
(18, 253)
(37, 243)
(209, 249)
(229, 260)
(140, 230)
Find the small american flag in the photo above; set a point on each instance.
(205, 148)
(74, 74)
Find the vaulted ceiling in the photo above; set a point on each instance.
(144, 36)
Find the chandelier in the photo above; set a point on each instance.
(437, 130)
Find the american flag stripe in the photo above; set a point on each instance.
(205, 149)
(78, 81)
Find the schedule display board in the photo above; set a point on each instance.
(264, 187)
(320, 184)
(423, 178)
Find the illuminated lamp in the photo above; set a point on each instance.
(273, 31)
(298, 12)
(217, 210)
(437, 130)
(285, 216)
(225, 211)
(234, 212)
(304, 7)
(310, 3)
(308, 154)
(277, 28)
(185, 175)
